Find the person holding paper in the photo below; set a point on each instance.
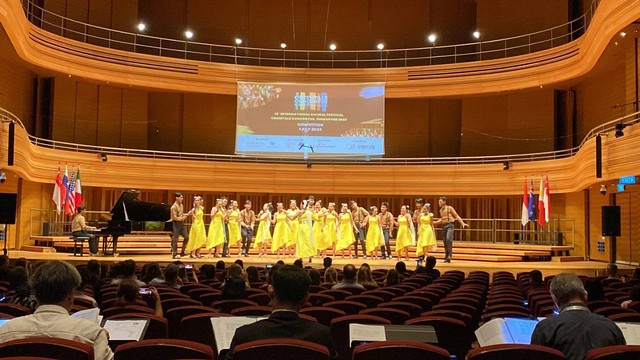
(576, 330)
(289, 291)
(54, 285)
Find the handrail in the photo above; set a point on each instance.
(626, 120)
(458, 53)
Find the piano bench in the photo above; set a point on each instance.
(78, 240)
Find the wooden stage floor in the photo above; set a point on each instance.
(588, 268)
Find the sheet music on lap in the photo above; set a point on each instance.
(126, 330)
(92, 315)
(631, 333)
(225, 327)
(506, 331)
(366, 333)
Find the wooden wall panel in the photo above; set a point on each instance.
(86, 113)
(109, 116)
(223, 123)
(572, 206)
(596, 201)
(445, 127)
(64, 109)
(16, 84)
(99, 12)
(406, 127)
(198, 133)
(266, 27)
(499, 19)
(124, 15)
(624, 241)
(135, 122)
(220, 21)
(155, 14)
(453, 21)
(400, 26)
(165, 117)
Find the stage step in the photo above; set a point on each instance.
(41, 249)
(567, 258)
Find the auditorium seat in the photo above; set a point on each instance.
(191, 286)
(610, 310)
(252, 311)
(368, 300)
(385, 295)
(596, 304)
(502, 314)
(349, 307)
(432, 296)
(163, 349)
(340, 331)
(261, 299)
(174, 316)
(115, 310)
(158, 326)
(395, 316)
(336, 294)
(320, 299)
(14, 309)
(174, 303)
(208, 299)
(112, 302)
(198, 328)
(399, 350)
(277, 349)
(452, 314)
(323, 314)
(458, 344)
(196, 293)
(396, 290)
(226, 306)
(49, 347)
(423, 303)
(618, 352)
(414, 310)
(515, 351)
(632, 317)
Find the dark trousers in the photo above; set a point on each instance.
(247, 236)
(225, 248)
(447, 234)
(93, 240)
(360, 238)
(386, 246)
(179, 229)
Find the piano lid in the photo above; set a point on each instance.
(128, 207)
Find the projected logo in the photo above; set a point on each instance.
(312, 101)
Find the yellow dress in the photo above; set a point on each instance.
(281, 232)
(374, 235)
(319, 236)
(305, 248)
(215, 236)
(264, 233)
(197, 234)
(330, 231)
(403, 237)
(234, 227)
(426, 237)
(346, 232)
(293, 235)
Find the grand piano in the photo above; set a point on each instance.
(127, 214)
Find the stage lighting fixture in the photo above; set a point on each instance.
(505, 165)
(309, 165)
(476, 34)
(3, 177)
(238, 41)
(380, 46)
(619, 128)
(283, 45)
(103, 156)
(432, 38)
(623, 34)
(188, 34)
(141, 26)
(332, 47)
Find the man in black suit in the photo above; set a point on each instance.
(289, 291)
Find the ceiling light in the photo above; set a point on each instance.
(238, 41)
(380, 46)
(283, 45)
(476, 34)
(619, 128)
(188, 34)
(332, 47)
(432, 38)
(623, 34)
(141, 26)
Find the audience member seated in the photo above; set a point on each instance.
(634, 294)
(150, 272)
(86, 279)
(54, 284)
(393, 278)
(348, 279)
(4, 268)
(126, 270)
(171, 278)
(430, 265)
(636, 274)
(327, 262)
(208, 272)
(128, 291)
(234, 286)
(331, 275)
(288, 293)
(298, 263)
(21, 292)
(186, 275)
(315, 276)
(253, 276)
(24, 263)
(612, 272)
(365, 278)
(576, 330)
(240, 263)
(594, 289)
(401, 268)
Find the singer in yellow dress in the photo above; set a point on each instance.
(319, 237)
(281, 231)
(347, 238)
(426, 237)
(305, 248)
(215, 236)
(293, 214)
(403, 237)
(263, 235)
(234, 225)
(331, 227)
(374, 233)
(197, 233)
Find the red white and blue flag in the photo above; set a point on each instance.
(525, 205)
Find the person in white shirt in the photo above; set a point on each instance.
(54, 284)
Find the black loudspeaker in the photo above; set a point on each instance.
(598, 157)
(11, 143)
(611, 221)
(8, 208)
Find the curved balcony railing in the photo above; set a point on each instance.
(432, 55)
(627, 120)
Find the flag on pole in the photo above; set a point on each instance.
(525, 204)
(541, 218)
(78, 189)
(547, 199)
(65, 186)
(57, 191)
(70, 206)
(531, 202)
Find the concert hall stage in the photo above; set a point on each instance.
(588, 268)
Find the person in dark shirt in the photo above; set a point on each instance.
(289, 291)
(576, 330)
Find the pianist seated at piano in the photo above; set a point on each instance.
(79, 228)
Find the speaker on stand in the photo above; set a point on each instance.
(7, 214)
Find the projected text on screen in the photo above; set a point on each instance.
(309, 120)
